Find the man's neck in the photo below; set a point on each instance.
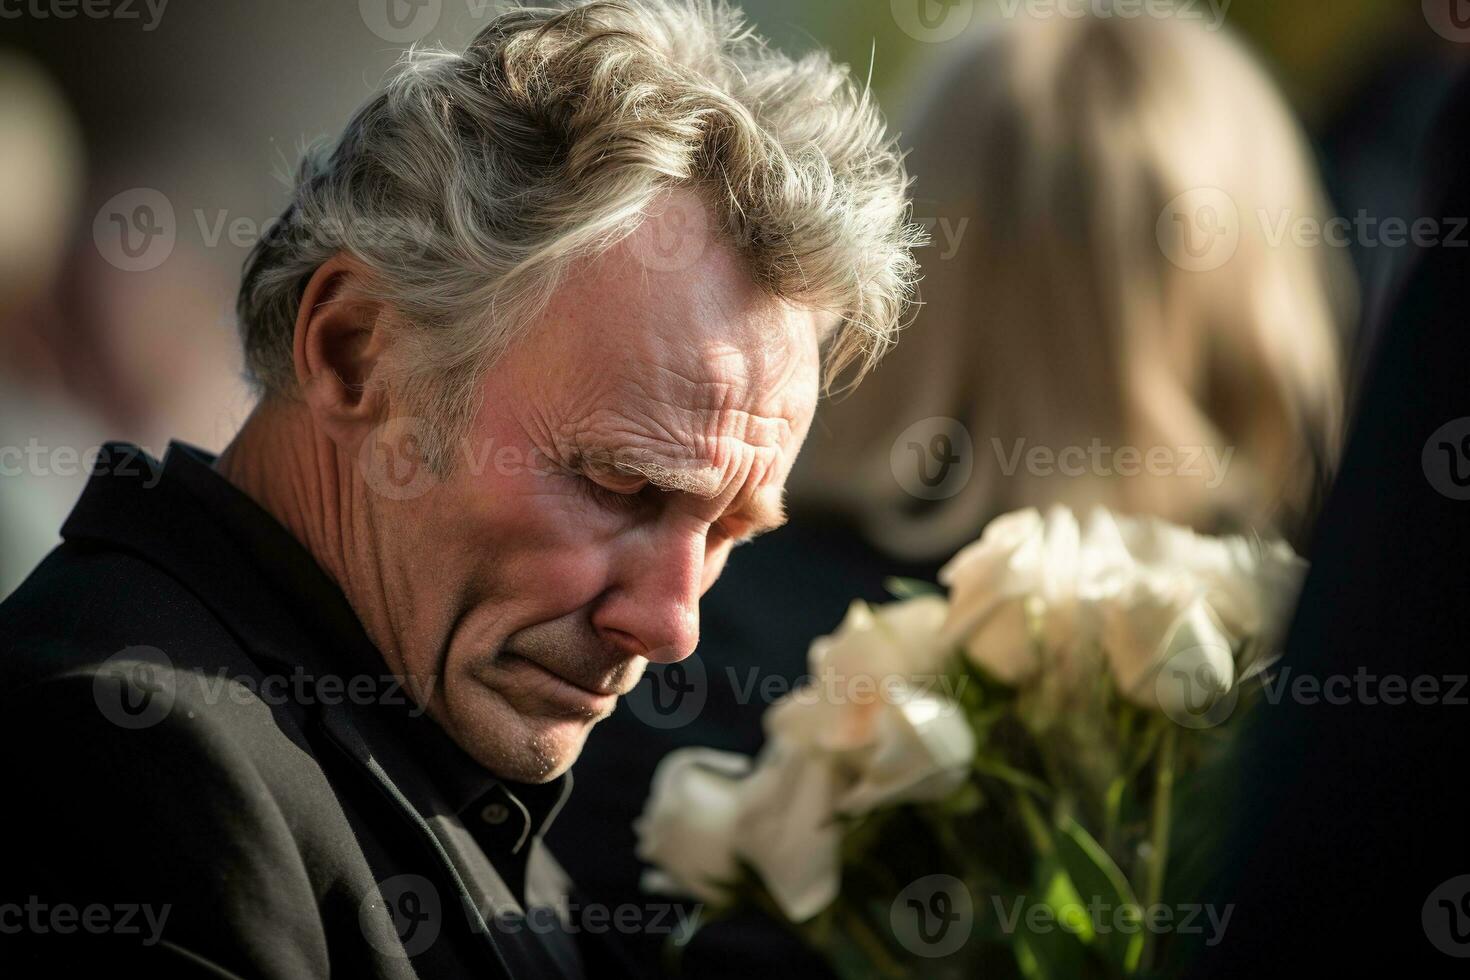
(302, 478)
(293, 471)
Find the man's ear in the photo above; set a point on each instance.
(340, 340)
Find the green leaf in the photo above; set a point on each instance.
(910, 588)
(1098, 879)
(995, 768)
(1046, 946)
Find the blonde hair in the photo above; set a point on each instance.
(474, 181)
(1063, 318)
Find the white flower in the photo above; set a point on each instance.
(1169, 596)
(1145, 591)
(1023, 567)
(788, 829)
(869, 663)
(687, 828)
(874, 727)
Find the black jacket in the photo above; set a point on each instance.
(210, 771)
(1352, 843)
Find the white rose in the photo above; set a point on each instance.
(867, 664)
(1171, 596)
(1136, 587)
(687, 828)
(1151, 637)
(921, 750)
(788, 829)
(1024, 566)
(874, 727)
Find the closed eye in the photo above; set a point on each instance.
(629, 500)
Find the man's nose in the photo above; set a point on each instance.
(653, 609)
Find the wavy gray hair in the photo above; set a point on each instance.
(471, 183)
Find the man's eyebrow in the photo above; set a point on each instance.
(699, 478)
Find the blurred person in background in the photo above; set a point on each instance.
(1057, 313)
(40, 183)
(1103, 197)
(89, 351)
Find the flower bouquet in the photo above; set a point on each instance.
(993, 780)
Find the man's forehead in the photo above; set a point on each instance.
(670, 416)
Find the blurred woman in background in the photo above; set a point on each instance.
(1085, 181)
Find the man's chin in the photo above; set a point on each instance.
(530, 744)
(547, 749)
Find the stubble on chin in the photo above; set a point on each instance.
(510, 743)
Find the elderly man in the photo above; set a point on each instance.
(538, 340)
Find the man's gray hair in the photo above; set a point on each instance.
(474, 180)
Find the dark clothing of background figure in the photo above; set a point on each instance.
(1353, 847)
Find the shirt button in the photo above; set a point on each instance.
(495, 814)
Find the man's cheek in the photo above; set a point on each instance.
(570, 580)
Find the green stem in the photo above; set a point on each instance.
(1112, 814)
(943, 828)
(1159, 857)
(1036, 825)
(871, 946)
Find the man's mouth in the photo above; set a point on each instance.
(566, 696)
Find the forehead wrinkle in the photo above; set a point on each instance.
(697, 478)
(673, 452)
